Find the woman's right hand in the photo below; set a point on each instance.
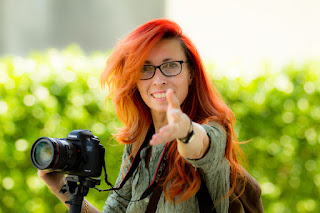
(53, 180)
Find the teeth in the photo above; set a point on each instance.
(159, 95)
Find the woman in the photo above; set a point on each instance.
(157, 82)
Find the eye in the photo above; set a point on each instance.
(172, 65)
(147, 68)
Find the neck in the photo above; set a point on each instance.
(159, 120)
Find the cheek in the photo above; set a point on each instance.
(140, 87)
(142, 90)
(183, 91)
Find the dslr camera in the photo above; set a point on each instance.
(80, 154)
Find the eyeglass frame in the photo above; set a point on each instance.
(156, 67)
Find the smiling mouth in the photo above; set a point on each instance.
(159, 95)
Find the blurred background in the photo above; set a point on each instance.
(263, 56)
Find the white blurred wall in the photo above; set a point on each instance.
(27, 25)
(237, 35)
(250, 31)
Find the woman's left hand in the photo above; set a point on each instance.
(178, 122)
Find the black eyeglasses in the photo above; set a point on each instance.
(168, 69)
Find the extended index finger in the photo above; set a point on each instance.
(172, 99)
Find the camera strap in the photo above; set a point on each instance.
(161, 169)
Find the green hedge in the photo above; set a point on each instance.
(50, 94)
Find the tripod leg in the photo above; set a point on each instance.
(75, 203)
(76, 191)
(78, 187)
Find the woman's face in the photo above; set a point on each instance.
(153, 91)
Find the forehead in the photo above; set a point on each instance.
(168, 48)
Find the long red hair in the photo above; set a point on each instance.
(203, 103)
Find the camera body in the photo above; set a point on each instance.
(81, 154)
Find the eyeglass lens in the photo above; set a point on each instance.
(168, 69)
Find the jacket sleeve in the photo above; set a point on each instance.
(119, 200)
(214, 166)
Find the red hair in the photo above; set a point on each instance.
(203, 103)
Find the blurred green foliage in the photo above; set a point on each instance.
(50, 94)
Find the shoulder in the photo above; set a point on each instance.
(215, 125)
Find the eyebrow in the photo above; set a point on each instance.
(164, 60)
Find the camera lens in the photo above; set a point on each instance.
(55, 154)
(43, 154)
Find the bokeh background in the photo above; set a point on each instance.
(263, 56)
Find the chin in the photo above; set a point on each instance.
(162, 109)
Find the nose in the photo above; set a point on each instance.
(159, 78)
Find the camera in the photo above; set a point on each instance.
(81, 154)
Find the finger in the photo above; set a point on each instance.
(157, 140)
(168, 130)
(164, 135)
(172, 99)
(42, 172)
